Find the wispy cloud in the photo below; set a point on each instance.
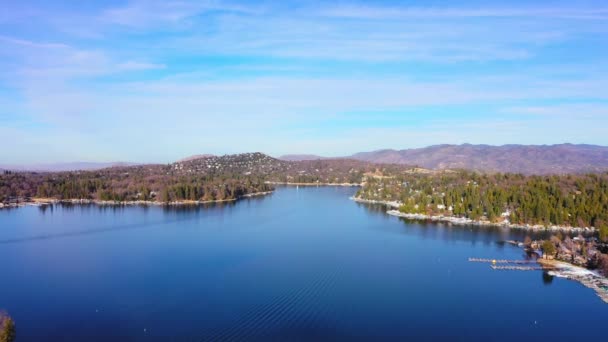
(133, 65)
(385, 12)
(580, 111)
(151, 13)
(191, 73)
(31, 44)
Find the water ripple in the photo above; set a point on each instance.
(295, 314)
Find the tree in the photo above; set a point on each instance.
(548, 248)
(603, 264)
(164, 195)
(603, 232)
(7, 328)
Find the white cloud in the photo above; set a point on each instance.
(249, 77)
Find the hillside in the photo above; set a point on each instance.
(277, 170)
(207, 178)
(563, 200)
(527, 159)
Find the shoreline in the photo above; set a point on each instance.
(391, 204)
(557, 268)
(48, 201)
(461, 221)
(586, 277)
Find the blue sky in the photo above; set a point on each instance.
(154, 81)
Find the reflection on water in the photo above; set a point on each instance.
(547, 278)
(178, 214)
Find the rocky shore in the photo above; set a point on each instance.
(588, 278)
(391, 204)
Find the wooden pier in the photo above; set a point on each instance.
(502, 261)
(510, 265)
(517, 268)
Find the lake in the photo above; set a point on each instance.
(300, 264)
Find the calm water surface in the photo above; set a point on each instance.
(301, 264)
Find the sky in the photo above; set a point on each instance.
(155, 81)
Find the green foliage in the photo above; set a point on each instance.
(130, 184)
(548, 248)
(603, 228)
(574, 200)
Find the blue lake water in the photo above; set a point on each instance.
(300, 264)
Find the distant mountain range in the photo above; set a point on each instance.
(58, 167)
(527, 159)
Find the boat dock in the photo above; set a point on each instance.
(510, 265)
(517, 268)
(502, 261)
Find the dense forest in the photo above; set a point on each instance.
(568, 200)
(126, 186)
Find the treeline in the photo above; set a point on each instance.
(16, 185)
(203, 179)
(573, 200)
(127, 184)
(217, 189)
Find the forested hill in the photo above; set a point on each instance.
(276, 170)
(567, 200)
(526, 159)
(200, 179)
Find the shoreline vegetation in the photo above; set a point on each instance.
(553, 202)
(466, 221)
(48, 201)
(207, 179)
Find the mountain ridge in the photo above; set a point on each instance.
(512, 158)
(527, 159)
(509, 158)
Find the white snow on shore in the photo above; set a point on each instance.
(394, 205)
